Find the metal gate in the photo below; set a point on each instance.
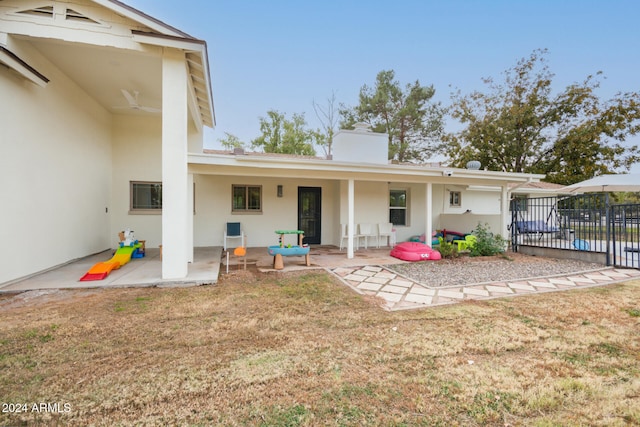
(625, 235)
(586, 222)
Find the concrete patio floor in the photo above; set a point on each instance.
(139, 272)
(208, 263)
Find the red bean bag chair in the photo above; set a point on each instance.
(415, 251)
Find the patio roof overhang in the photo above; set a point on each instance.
(290, 167)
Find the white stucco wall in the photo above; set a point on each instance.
(361, 146)
(213, 209)
(55, 170)
(137, 156)
(372, 205)
(477, 206)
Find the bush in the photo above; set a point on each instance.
(487, 243)
(446, 249)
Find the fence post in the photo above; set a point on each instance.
(608, 218)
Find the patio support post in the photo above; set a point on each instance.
(504, 212)
(175, 190)
(350, 218)
(428, 231)
(190, 212)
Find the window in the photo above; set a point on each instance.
(455, 199)
(398, 207)
(146, 196)
(519, 203)
(246, 198)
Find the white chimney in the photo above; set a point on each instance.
(361, 145)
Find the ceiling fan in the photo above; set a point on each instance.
(132, 99)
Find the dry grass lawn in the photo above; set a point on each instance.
(288, 350)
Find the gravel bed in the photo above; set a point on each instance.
(467, 270)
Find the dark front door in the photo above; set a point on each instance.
(310, 213)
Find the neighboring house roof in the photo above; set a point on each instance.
(120, 47)
(536, 187)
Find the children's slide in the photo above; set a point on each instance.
(102, 269)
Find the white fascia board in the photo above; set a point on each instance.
(198, 47)
(140, 17)
(12, 61)
(188, 44)
(348, 169)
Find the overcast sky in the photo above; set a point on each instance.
(283, 55)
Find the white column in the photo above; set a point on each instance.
(428, 231)
(505, 217)
(190, 212)
(350, 218)
(175, 224)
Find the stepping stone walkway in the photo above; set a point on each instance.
(401, 293)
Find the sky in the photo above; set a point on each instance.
(284, 55)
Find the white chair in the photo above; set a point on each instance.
(344, 228)
(343, 235)
(385, 229)
(365, 231)
(233, 230)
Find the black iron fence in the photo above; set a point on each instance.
(584, 222)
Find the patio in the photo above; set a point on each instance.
(208, 263)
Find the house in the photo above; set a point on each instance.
(104, 131)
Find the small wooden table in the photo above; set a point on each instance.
(278, 251)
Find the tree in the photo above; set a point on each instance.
(329, 122)
(230, 141)
(414, 124)
(520, 126)
(281, 135)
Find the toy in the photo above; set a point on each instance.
(415, 251)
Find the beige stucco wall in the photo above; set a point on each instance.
(137, 156)
(55, 170)
(213, 209)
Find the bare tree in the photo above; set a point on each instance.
(328, 117)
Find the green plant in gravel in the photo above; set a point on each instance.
(446, 249)
(487, 243)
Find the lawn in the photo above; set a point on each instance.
(288, 350)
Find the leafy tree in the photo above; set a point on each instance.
(281, 135)
(408, 116)
(520, 126)
(230, 141)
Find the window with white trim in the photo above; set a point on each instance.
(455, 199)
(398, 202)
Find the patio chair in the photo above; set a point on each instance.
(466, 244)
(345, 236)
(233, 230)
(385, 229)
(365, 231)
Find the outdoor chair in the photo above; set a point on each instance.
(385, 229)
(365, 231)
(343, 235)
(233, 230)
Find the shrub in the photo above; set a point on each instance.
(446, 249)
(487, 243)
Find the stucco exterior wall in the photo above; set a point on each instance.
(372, 205)
(213, 209)
(55, 170)
(137, 156)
